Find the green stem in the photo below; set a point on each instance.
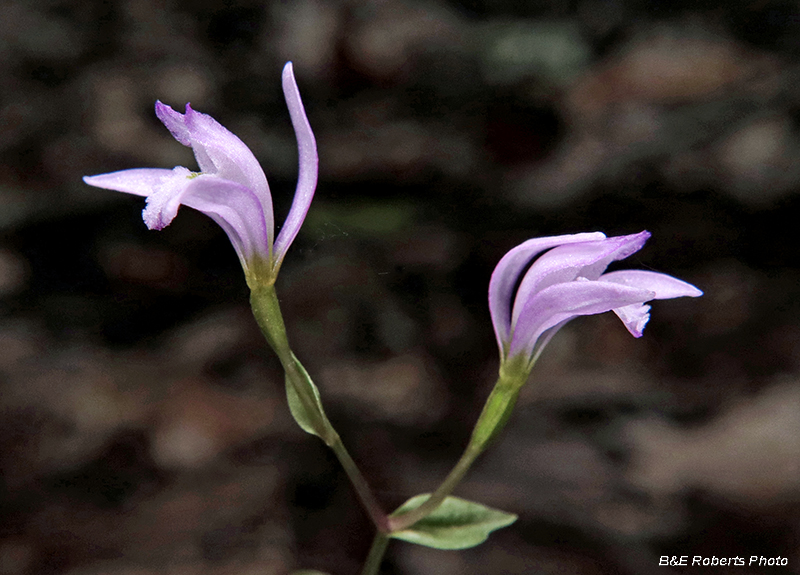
(401, 522)
(491, 421)
(361, 487)
(266, 309)
(375, 557)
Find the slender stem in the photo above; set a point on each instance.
(361, 487)
(455, 476)
(373, 563)
(331, 438)
(266, 310)
(491, 421)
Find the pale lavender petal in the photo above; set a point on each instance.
(139, 181)
(308, 167)
(506, 275)
(664, 286)
(219, 152)
(558, 303)
(568, 262)
(174, 122)
(231, 158)
(626, 246)
(235, 208)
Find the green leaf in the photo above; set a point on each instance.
(455, 524)
(312, 422)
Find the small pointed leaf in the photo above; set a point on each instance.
(455, 524)
(312, 423)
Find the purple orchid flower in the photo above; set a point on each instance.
(231, 187)
(529, 304)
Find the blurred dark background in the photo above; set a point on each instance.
(143, 426)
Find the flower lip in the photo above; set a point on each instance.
(529, 302)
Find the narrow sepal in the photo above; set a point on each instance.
(308, 161)
(663, 285)
(138, 181)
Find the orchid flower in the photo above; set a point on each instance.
(529, 302)
(230, 187)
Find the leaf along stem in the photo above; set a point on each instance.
(266, 309)
(491, 421)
